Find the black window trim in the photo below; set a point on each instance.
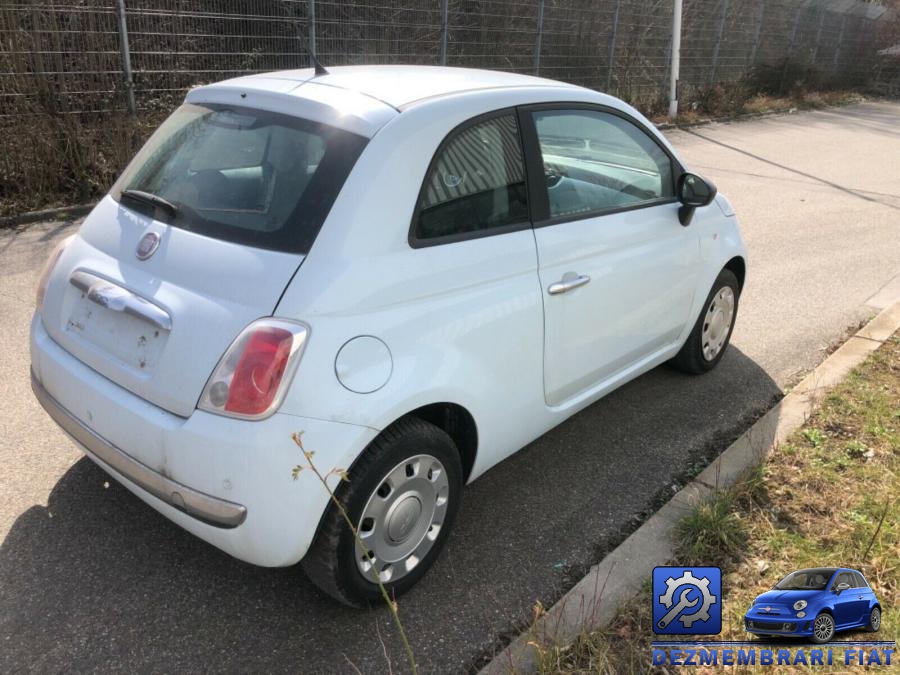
(538, 199)
(415, 241)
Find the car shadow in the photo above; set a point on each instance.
(95, 579)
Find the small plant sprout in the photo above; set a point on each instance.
(394, 608)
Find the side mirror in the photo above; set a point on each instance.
(842, 587)
(693, 192)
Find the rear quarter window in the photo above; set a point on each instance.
(242, 175)
(476, 183)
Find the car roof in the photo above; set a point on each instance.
(821, 570)
(397, 86)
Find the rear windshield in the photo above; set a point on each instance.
(242, 175)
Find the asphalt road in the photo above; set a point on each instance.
(91, 579)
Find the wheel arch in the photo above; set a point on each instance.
(458, 423)
(738, 266)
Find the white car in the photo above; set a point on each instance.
(421, 269)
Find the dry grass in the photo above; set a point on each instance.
(61, 160)
(830, 496)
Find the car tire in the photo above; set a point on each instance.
(825, 632)
(874, 620)
(711, 334)
(411, 468)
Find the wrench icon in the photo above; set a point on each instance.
(683, 603)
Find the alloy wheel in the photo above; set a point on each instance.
(824, 627)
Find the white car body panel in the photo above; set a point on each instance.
(643, 272)
(468, 323)
(201, 283)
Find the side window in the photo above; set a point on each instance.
(860, 582)
(476, 182)
(842, 578)
(595, 161)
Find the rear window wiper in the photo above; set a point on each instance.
(150, 199)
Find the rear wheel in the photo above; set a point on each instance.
(711, 334)
(402, 494)
(874, 620)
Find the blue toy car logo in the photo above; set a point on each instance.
(815, 603)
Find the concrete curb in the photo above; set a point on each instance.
(595, 600)
(46, 214)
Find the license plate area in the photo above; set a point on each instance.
(112, 319)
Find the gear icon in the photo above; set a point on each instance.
(702, 585)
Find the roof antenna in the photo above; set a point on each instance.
(320, 69)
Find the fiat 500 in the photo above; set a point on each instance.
(421, 269)
(815, 603)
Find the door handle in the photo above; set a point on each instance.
(570, 281)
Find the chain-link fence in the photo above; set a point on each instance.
(67, 55)
(70, 70)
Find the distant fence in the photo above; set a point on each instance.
(68, 56)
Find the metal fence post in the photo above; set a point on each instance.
(676, 59)
(790, 52)
(311, 40)
(540, 35)
(126, 57)
(759, 24)
(444, 30)
(840, 42)
(815, 54)
(719, 33)
(612, 46)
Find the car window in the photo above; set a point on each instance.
(476, 182)
(842, 578)
(860, 582)
(248, 176)
(595, 161)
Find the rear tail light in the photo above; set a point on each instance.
(48, 269)
(252, 377)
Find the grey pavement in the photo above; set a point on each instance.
(92, 579)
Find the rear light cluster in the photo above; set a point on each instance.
(252, 377)
(44, 278)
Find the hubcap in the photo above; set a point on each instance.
(717, 323)
(824, 627)
(402, 518)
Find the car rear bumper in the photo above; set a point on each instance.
(225, 480)
(209, 509)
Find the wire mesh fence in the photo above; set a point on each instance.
(65, 56)
(71, 70)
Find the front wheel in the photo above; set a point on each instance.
(709, 338)
(402, 495)
(823, 629)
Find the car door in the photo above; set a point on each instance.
(865, 597)
(617, 269)
(847, 605)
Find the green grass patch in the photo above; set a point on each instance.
(830, 496)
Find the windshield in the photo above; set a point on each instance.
(806, 580)
(242, 175)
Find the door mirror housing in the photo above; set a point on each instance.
(841, 588)
(693, 192)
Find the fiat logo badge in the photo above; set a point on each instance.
(147, 246)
